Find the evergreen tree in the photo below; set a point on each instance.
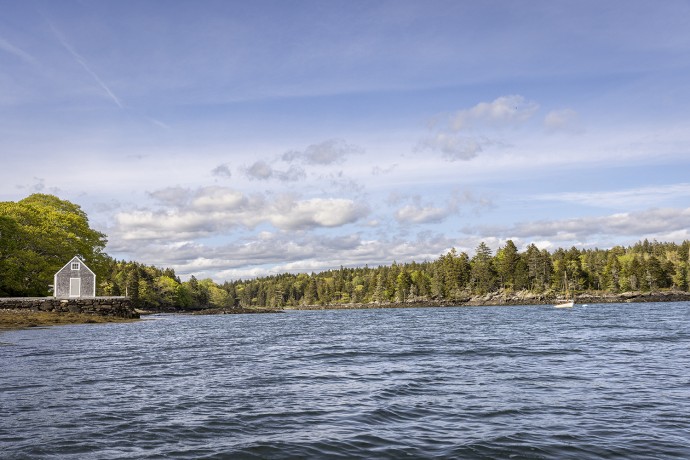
(483, 277)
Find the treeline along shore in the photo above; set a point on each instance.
(40, 233)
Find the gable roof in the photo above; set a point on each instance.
(76, 259)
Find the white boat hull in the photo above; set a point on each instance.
(565, 304)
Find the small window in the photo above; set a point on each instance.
(75, 265)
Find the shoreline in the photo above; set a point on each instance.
(512, 299)
(14, 319)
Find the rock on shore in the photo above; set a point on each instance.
(515, 298)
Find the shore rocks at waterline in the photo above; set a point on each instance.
(234, 311)
(515, 298)
(120, 307)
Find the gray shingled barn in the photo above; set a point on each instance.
(75, 279)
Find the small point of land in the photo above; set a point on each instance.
(20, 319)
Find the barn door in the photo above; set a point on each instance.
(75, 287)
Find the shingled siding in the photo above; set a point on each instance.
(86, 276)
(120, 307)
(87, 283)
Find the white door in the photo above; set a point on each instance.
(74, 287)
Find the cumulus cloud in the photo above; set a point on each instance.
(317, 212)
(222, 171)
(485, 117)
(171, 196)
(188, 214)
(332, 151)
(260, 170)
(565, 120)
(505, 110)
(218, 199)
(293, 174)
(452, 146)
(416, 214)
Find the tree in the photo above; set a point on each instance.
(483, 276)
(403, 283)
(10, 267)
(39, 235)
(507, 259)
(612, 273)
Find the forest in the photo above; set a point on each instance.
(40, 233)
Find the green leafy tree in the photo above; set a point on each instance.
(41, 233)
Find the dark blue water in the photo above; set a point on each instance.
(604, 381)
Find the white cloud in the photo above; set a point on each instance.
(217, 210)
(332, 151)
(293, 174)
(649, 223)
(564, 120)
(218, 199)
(417, 212)
(172, 196)
(505, 110)
(260, 170)
(222, 171)
(299, 215)
(452, 146)
(486, 118)
(420, 215)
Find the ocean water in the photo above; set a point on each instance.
(602, 381)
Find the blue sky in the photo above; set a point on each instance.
(238, 139)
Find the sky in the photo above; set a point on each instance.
(237, 139)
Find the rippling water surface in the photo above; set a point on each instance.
(603, 381)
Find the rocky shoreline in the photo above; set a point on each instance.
(513, 298)
(49, 311)
(120, 307)
(233, 311)
(22, 313)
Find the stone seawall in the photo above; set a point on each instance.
(120, 307)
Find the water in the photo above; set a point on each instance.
(605, 381)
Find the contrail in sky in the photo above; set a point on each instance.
(83, 63)
(10, 48)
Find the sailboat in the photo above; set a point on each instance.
(568, 303)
